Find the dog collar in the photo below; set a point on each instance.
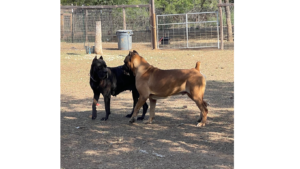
(93, 79)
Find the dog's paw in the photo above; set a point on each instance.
(148, 122)
(128, 115)
(140, 118)
(132, 120)
(201, 124)
(94, 117)
(104, 119)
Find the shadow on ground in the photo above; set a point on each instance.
(172, 141)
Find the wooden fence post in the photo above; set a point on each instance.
(86, 27)
(153, 24)
(221, 25)
(124, 19)
(151, 30)
(98, 39)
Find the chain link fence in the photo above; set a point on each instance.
(79, 25)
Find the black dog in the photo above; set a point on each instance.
(111, 81)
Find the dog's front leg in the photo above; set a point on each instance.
(142, 100)
(135, 96)
(107, 106)
(152, 110)
(95, 101)
(145, 108)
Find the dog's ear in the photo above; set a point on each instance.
(134, 51)
(95, 57)
(101, 57)
(129, 56)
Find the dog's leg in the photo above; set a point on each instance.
(95, 101)
(145, 108)
(135, 97)
(202, 105)
(107, 106)
(137, 107)
(152, 110)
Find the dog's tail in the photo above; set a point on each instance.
(198, 66)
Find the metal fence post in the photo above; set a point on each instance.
(186, 29)
(157, 31)
(218, 28)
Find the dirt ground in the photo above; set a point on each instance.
(172, 141)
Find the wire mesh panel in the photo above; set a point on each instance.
(79, 25)
(171, 28)
(202, 30)
(191, 30)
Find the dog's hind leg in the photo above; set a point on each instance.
(107, 106)
(202, 105)
(152, 110)
(95, 101)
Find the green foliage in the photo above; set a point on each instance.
(232, 17)
(167, 6)
(163, 6)
(103, 2)
(185, 6)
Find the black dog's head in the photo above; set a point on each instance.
(98, 69)
(128, 65)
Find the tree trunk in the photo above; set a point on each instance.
(203, 1)
(228, 20)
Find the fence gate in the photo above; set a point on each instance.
(191, 30)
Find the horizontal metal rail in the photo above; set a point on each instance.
(188, 13)
(188, 23)
(195, 47)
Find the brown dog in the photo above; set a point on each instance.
(154, 83)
